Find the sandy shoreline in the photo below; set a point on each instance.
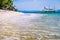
(7, 31)
(19, 26)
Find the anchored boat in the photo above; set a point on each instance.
(48, 10)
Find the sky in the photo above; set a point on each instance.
(36, 4)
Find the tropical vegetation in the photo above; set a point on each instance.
(7, 4)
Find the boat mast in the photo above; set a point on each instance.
(45, 4)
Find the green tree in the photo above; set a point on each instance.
(6, 3)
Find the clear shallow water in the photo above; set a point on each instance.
(48, 20)
(39, 26)
(48, 23)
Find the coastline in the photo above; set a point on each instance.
(16, 25)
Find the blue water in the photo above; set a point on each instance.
(48, 22)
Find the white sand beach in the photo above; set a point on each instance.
(7, 31)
